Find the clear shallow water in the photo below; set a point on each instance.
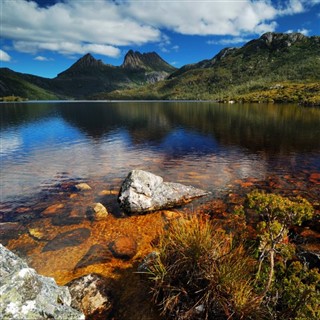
(204, 144)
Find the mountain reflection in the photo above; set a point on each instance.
(203, 125)
(272, 128)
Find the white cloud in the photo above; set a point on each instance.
(292, 7)
(303, 31)
(204, 17)
(234, 40)
(102, 26)
(42, 58)
(72, 27)
(4, 56)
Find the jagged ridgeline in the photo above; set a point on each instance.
(86, 77)
(274, 67)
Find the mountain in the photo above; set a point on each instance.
(26, 86)
(86, 77)
(274, 67)
(147, 61)
(272, 52)
(274, 59)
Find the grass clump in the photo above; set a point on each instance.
(200, 273)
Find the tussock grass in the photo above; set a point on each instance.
(201, 273)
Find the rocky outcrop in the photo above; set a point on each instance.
(24, 294)
(90, 294)
(280, 39)
(143, 191)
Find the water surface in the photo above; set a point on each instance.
(204, 144)
(46, 148)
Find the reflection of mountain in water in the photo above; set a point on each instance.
(144, 123)
(272, 128)
(184, 127)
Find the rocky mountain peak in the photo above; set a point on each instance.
(88, 61)
(150, 61)
(274, 39)
(85, 64)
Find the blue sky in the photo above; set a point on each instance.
(44, 37)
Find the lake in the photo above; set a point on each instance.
(200, 143)
(48, 147)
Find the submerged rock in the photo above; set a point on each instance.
(123, 248)
(97, 212)
(82, 186)
(96, 254)
(67, 239)
(90, 294)
(24, 294)
(143, 191)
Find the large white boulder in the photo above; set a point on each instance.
(143, 191)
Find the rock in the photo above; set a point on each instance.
(69, 217)
(91, 295)
(10, 230)
(67, 239)
(123, 248)
(171, 215)
(82, 187)
(97, 212)
(96, 254)
(143, 191)
(24, 294)
(53, 209)
(37, 233)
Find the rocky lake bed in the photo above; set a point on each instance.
(78, 228)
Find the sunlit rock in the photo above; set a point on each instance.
(97, 212)
(90, 294)
(24, 294)
(82, 186)
(143, 191)
(37, 233)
